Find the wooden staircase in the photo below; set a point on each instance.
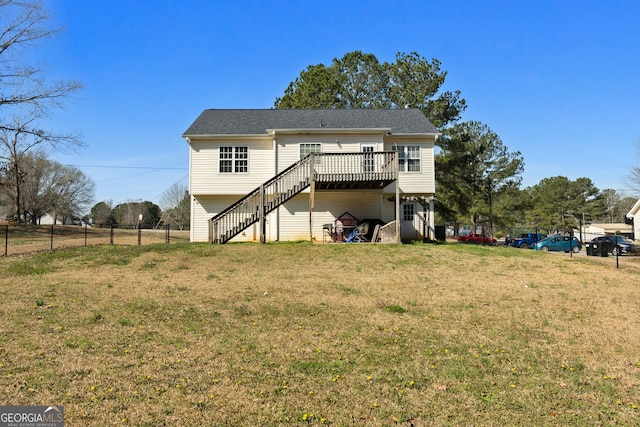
(257, 204)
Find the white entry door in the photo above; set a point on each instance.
(408, 221)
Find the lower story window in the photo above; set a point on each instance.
(234, 160)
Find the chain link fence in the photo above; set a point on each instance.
(26, 239)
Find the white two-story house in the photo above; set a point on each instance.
(277, 175)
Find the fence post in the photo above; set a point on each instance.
(111, 235)
(51, 246)
(6, 240)
(139, 235)
(168, 234)
(85, 235)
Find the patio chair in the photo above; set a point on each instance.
(358, 235)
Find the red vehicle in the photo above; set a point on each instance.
(477, 239)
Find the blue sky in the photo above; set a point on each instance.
(558, 81)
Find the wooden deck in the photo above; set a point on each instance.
(355, 170)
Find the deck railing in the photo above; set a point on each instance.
(320, 167)
(347, 167)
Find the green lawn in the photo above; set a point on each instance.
(301, 334)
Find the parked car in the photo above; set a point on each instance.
(527, 240)
(478, 239)
(619, 245)
(558, 243)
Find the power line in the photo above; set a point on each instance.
(168, 188)
(128, 167)
(144, 170)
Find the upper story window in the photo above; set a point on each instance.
(234, 160)
(307, 148)
(408, 157)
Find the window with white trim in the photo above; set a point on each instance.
(307, 148)
(408, 157)
(234, 159)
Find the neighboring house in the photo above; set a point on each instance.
(306, 168)
(634, 217)
(592, 231)
(48, 219)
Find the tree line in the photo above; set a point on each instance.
(145, 214)
(478, 179)
(35, 186)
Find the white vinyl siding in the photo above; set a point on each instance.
(205, 177)
(205, 207)
(416, 182)
(329, 205)
(294, 214)
(289, 145)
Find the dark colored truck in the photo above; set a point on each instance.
(526, 240)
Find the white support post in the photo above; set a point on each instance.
(312, 185)
(432, 224)
(261, 215)
(397, 168)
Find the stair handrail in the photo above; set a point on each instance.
(215, 233)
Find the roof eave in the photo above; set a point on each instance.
(377, 131)
(430, 134)
(325, 131)
(224, 136)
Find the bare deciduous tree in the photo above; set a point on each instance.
(73, 192)
(16, 142)
(611, 201)
(50, 187)
(26, 95)
(633, 179)
(175, 202)
(23, 26)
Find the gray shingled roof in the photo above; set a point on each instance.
(256, 122)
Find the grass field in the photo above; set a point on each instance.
(301, 334)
